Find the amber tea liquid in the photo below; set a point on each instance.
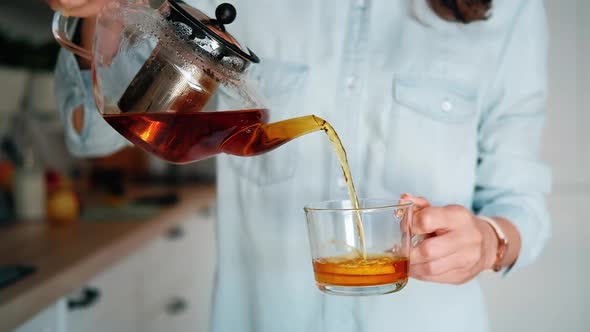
(182, 137)
(358, 271)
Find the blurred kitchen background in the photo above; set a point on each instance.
(163, 282)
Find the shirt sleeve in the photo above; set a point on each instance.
(74, 89)
(511, 181)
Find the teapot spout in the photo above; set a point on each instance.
(261, 138)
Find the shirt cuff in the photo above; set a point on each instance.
(532, 234)
(73, 90)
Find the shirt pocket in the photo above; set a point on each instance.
(430, 138)
(280, 85)
(434, 98)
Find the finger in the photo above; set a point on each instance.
(66, 4)
(54, 4)
(436, 247)
(462, 260)
(88, 10)
(73, 3)
(78, 8)
(430, 220)
(419, 202)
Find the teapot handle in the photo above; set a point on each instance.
(61, 26)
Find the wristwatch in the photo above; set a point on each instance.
(502, 242)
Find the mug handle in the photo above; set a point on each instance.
(60, 26)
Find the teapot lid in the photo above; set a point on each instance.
(210, 34)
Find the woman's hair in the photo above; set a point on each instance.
(465, 11)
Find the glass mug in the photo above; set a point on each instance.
(370, 257)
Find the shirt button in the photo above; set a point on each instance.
(351, 82)
(446, 105)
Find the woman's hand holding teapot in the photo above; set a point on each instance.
(78, 8)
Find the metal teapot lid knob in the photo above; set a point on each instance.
(224, 14)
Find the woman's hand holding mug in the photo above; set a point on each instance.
(456, 245)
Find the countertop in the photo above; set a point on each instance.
(67, 257)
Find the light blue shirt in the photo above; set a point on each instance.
(447, 111)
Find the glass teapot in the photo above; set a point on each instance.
(172, 81)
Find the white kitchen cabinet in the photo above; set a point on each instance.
(52, 319)
(115, 309)
(183, 253)
(165, 286)
(183, 307)
(177, 292)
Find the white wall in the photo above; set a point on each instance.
(553, 295)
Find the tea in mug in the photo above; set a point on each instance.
(355, 270)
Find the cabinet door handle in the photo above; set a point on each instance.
(175, 233)
(87, 299)
(177, 306)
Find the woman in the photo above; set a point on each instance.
(430, 97)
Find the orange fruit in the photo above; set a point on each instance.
(63, 207)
